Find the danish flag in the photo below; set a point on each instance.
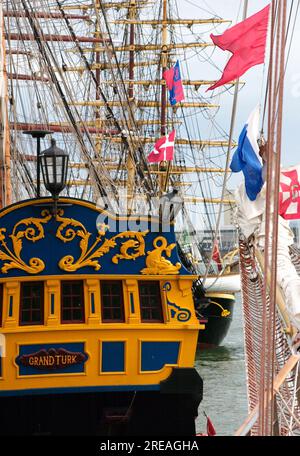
(163, 149)
(289, 195)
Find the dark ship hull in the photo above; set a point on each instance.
(89, 372)
(214, 309)
(217, 312)
(117, 413)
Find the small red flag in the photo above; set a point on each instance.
(163, 149)
(247, 42)
(210, 427)
(216, 256)
(289, 194)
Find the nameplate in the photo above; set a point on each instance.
(56, 358)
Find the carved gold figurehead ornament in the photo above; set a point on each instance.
(156, 263)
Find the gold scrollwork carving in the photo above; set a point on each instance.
(90, 255)
(12, 258)
(136, 245)
(156, 263)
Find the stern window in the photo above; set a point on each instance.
(112, 301)
(72, 302)
(32, 303)
(150, 302)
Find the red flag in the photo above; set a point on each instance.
(247, 42)
(216, 256)
(210, 427)
(168, 76)
(289, 194)
(163, 149)
(174, 84)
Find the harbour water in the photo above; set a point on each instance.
(224, 378)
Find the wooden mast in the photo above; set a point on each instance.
(163, 102)
(98, 121)
(275, 118)
(228, 156)
(132, 15)
(130, 162)
(164, 61)
(5, 159)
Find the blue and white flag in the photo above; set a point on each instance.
(246, 158)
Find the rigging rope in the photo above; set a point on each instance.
(287, 409)
(232, 125)
(110, 113)
(42, 48)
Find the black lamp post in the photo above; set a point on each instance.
(54, 164)
(38, 135)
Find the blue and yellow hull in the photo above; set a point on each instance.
(95, 364)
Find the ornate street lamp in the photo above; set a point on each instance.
(38, 135)
(54, 164)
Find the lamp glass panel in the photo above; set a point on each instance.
(59, 168)
(50, 168)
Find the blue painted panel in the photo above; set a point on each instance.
(155, 355)
(62, 239)
(45, 359)
(113, 356)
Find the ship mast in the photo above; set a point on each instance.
(118, 115)
(5, 160)
(98, 121)
(130, 162)
(163, 112)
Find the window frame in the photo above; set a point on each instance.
(42, 307)
(157, 283)
(69, 322)
(109, 320)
